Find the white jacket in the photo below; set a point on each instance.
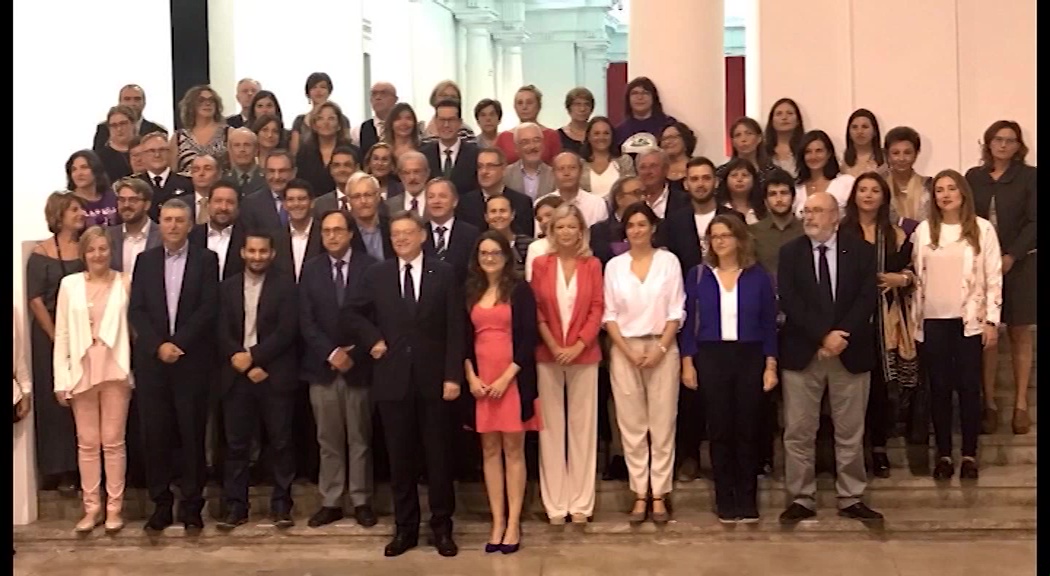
(982, 286)
(73, 329)
(21, 376)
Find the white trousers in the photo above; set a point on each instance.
(567, 483)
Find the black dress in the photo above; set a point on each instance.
(56, 441)
(117, 164)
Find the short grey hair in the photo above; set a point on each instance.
(176, 204)
(649, 151)
(243, 131)
(411, 155)
(252, 80)
(360, 176)
(524, 126)
(575, 156)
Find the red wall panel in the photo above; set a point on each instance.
(616, 89)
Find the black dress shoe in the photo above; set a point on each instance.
(400, 544)
(283, 519)
(365, 516)
(193, 521)
(968, 469)
(325, 516)
(233, 519)
(796, 513)
(944, 469)
(860, 511)
(880, 464)
(160, 519)
(446, 546)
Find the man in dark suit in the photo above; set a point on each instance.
(448, 240)
(383, 97)
(244, 171)
(166, 183)
(257, 341)
(173, 308)
(222, 234)
(371, 229)
(607, 237)
(264, 210)
(417, 340)
(137, 233)
(492, 164)
(827, 286)
(653, 166)
(342, 165)
(300, 240)
(449, 156)
(134, 97)
(338, 369)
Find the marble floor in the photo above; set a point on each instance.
(739, 558)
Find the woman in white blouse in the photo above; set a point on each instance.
(92, 375)
(958, 302)
(644, 306)
(818, 171)
(603, 166)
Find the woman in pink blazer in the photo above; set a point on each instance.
(568, 287)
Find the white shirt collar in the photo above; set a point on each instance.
(163, 175)
(227, 231)
(417, 263)
(144, 233)
(447, 225)
(831, 243)
(454, 148)
(305, 233)
(661, 198)
(345, 258)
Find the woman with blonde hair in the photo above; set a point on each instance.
(92, 364)
(567, 282)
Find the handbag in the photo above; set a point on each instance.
(902, 360)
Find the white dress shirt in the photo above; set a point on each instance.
(422, 208)
(219, 243)
(659, 205)
(593, 208)
(442, 150)
(728, 304)
(644, 308)
(417, 274)
(163, 177)
(299, 242)
(840, 188)
(134, 244)
(703, 221)
(537, 248)
(252, 289)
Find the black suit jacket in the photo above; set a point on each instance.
(424, 345)
(310, 166)
(176, 186)
(465, 168)
(471, 208)
(1015, 205)
(805, 325)
(234, 263)
(358, 244)
(460, 244)
(197, 311)
(259, 212)
(102, 132)
(677, 232)
(676, 200)
(276, 329)
(285, 259)
(319, 320)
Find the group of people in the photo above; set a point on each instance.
(510, 283)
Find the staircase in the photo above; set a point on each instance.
(1001, 504)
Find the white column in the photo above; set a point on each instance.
(595, 64)
(480, 81)
(462, 56)
(678, 44)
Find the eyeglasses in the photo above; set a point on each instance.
(722, 237)
(491, 255)
(129, 200)
(155, 151)
(1007, 141)
(116, 125)
(205, 99)
(446, 121)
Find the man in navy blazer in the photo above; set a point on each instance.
(448, 239)
(257, 343)
(172, 310)
(337, 367)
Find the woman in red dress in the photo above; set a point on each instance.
(501, 371)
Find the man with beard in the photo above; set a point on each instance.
(780, 226)
(264, 210)
(138, 232)
(222, 234)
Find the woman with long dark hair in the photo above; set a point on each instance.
(868, 216)
(746, 140)
(863, 145)
(327, 132)
(501, 371)
(818, 171)
(265, 103)
(402, 129)
(604, 164)
(86, 178)
(739, 189)
(784, 131)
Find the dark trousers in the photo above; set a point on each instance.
(307, 452)
(173, 406)
(245, 404)
(953, 363)
(877, 418)
(419, 430)
(692, 420)
(730, 376)
(769, 425)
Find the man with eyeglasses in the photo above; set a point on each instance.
(383, 97)
(165, 182)
(134, 97)
(371, 226)
(448, 155)
(529, 174)
(338, 369)
(137, 233)
(491, 165)
(264, 210)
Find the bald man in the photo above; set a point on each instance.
(827, 285)
(383, 97)
(246, 90)
(244, 171)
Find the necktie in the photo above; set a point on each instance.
(282, 213)
(409, 291)
(447, 166)
(440, 244)
(380, 126)
(244, 180)
(343, 205)
(340, 282)
(415, 204)
(824, 280)
(202, 211)
(158, 181)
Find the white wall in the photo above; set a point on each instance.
(551, 67)
(433, 53)
(949, 69)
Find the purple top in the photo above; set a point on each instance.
(102, 212)
(654, 125)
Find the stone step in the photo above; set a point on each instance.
(472, 530)
(1012, 485)
(1001, 449)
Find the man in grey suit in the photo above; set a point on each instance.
(529, 174)
(137, 233)
(414, 171)
(243, 148)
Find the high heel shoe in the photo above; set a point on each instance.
(511, 548)
(661, 518)
(636, 518)
(88, 523)
(491, 548)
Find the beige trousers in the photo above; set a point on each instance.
(647, 406)
(567, 483)
(101, 418)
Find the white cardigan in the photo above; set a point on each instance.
(23, 380)
(73, 329)
(982, 286)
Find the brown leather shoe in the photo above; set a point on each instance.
(1022, 423)
(989, 421)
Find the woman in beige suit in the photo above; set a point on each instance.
(92, 365)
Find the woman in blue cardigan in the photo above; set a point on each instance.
(729, 347)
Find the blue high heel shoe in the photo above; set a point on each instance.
(510, 548)
(493, 548)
